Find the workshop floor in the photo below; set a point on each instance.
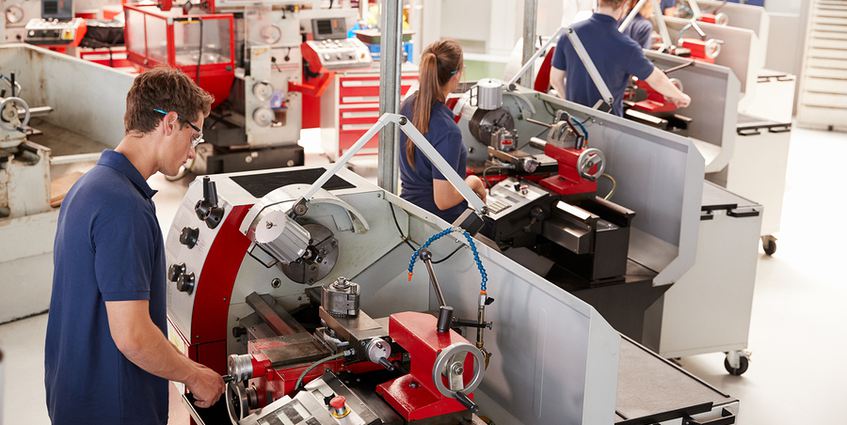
(798, 328)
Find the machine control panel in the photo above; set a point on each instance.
(333, 47)
(342, 53)
(53, 31)
(510, 195)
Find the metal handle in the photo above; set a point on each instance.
(587, 160)
(449, 356)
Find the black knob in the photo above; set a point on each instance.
(207, 209)
(175, 271)
(189, 236)
(201, 209)
(239, 331)
(185, 283)
(467, 402)
(216, 214)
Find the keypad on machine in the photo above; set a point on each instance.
(496, 205)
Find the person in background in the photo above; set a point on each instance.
(616, 58)
(422, 184)
(107, 359)
(641, 28)
(668, 7)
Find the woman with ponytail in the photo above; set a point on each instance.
(422, 184)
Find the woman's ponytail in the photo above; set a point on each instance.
(440, 61)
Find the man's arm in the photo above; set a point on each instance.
(143, 344)
(659, 81)
(557, 80)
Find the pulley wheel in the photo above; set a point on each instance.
(9, 117)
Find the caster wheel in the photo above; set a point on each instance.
(769, 245)
(744, 363)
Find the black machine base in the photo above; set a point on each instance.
(227, 161)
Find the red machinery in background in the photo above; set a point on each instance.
(201, 45)
(714, 18)
(644, 104)
(654, 103)
(705, 50)
(578, 168)
(701, 48)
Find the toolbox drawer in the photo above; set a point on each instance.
(352, 90)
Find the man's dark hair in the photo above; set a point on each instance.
(164, 88)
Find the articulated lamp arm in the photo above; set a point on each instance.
(420, 142)
(696, 13)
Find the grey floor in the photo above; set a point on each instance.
(799, 325)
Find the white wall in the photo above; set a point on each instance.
(787, 36)
(490, 27)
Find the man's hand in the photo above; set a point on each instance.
(659, 81)
(478, 186)
(681, 101)
(206, 386)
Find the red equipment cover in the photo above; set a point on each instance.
(415, 395)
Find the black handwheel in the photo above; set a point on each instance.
(743, 364)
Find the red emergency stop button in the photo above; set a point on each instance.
(339, 407)
(338, 402)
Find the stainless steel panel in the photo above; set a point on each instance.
(45, 78)
(576, 237)
(714, 92)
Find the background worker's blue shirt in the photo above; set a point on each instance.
(446, 138)
(615, 55)
(108, 247)
(640, 30)
(667, 4)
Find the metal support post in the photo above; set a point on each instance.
(530, 18)
(663, 28)
(389, 93)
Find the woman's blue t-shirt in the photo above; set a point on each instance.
(640, 30)
(446, 138)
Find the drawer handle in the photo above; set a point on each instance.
(352, 127)
(360, 83)
(359, 99)
(366, 114)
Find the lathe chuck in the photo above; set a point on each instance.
(319, 261)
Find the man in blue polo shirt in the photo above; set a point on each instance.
(107, 360)
(616, 57)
